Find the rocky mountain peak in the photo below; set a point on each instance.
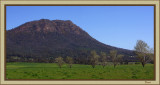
(46, 25)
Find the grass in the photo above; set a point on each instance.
(21, 70)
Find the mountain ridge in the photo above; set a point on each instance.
(46, 25)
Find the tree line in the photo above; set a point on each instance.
(142, 50)
(94, 59)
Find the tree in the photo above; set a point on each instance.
(143, 52)
(115, 58)
(151, 51)
(69, 60)
(104, 57)
(94, 58)
(120, 58)
(59, 61)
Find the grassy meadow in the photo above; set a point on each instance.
(21, 70)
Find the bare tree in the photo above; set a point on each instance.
(143, 52)
(94, 58)
(69, 60)
(103, 59)
(115, 58)
(120, 58)
(59, 61)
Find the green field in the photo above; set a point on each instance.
(20, 70)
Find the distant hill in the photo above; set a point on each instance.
(43, 40)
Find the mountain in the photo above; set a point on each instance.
(43, 40)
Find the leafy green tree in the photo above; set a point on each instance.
(115, 58)
(94, 58)
(143, 52)
(103, 59)
(59, 61)
(69, 60)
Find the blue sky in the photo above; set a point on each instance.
(119, 26)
